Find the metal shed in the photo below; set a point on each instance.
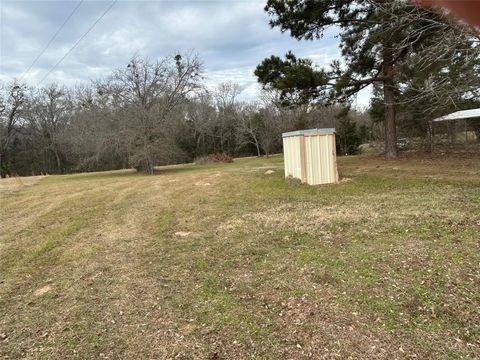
(468, 116)
(310, 155)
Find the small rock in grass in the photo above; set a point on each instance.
(42, 290)
(182, 233)
(268, 172)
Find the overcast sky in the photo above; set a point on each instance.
(231, 37)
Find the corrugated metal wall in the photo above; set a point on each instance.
(292, 158)
(311, 157)
(321, 159)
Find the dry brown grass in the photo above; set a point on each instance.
(16, 183)
(120, 265)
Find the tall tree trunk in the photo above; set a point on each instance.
(257, 145)
(477, 132)
(58, 161)
(451, 131)
(3, 170)
(148, 166)
(389, 98)
(428, 145)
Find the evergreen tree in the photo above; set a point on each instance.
(297, 80)
(377, 37)
(348, 137)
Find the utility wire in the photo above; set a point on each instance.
(78, 41)
(51, 40)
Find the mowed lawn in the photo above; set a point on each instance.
(226, 262)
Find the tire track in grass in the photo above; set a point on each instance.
(102, 283)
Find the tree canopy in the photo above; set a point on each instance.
(296, 79)
(378, 38)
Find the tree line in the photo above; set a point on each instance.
(144, 114)
(420, 63)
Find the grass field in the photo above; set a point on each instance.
(225, 262)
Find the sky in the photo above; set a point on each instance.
(231, 37)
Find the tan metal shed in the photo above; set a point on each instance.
(310, 155)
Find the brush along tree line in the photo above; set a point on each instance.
(144, 114)
(417, 60)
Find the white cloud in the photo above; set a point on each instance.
(231, 37)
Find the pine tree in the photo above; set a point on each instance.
(377, 37)
(297, 80)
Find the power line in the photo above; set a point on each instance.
(51, 40)
(78, 41)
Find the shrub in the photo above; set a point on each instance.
(222, 157)
(348, 136)
(214, 158)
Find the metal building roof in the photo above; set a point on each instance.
(459, 115)
(309, 132)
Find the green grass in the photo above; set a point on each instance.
(223, 261)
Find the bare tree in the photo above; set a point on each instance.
(249, 124)
(95, 133)
(48, 115)
(12, 101)
(226, 100)
(148, 93)
(270, 132)
(201, 119)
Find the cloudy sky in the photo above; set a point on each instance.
(230, 36)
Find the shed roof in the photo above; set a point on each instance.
(309, 132)
(459, 115)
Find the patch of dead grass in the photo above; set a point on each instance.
(16, 183)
